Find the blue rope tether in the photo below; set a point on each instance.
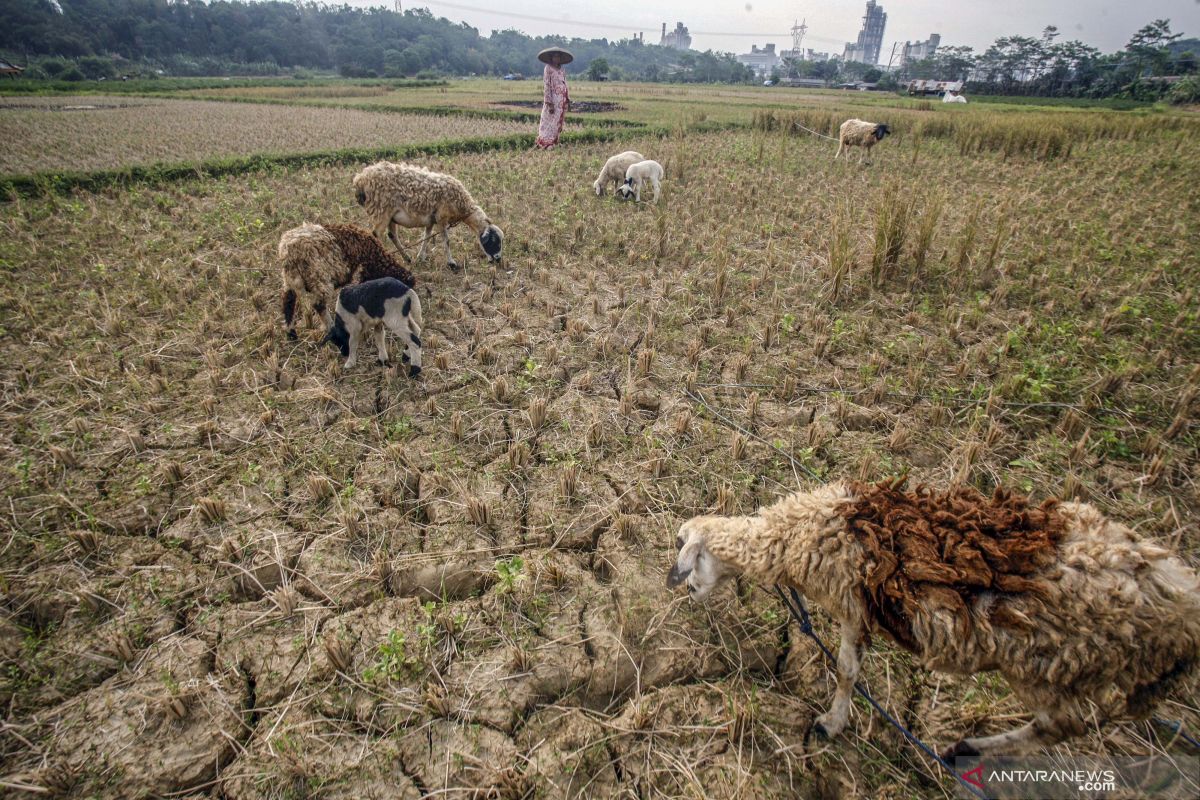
(800, 612)
(1177, 729)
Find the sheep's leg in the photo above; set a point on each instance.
(408, 331)
(354, 331)
(1047, 729)
(392, 227)
(424, 241)
(289, 312)
(849, 661)
(637, 191)
(841, 147)
(450, 262)
(657, 188)
(381, 344)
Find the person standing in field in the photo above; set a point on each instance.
(555, 101)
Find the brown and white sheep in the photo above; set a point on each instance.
(613, 170)
(409, 196)
(1085, 619)
(859, 133)
(317, 260)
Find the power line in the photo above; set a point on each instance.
(611, 26)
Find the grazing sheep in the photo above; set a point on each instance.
(614, 170)
(317, 260)
(374, 306)
(857, 133)
(413, 197)
(1086, 620)
(636, 176)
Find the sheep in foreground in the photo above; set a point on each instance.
(317, 260)
(1086, 620)
(613, 170)
(858, 133)
(403, 195)
(637, 175)
(372, 306)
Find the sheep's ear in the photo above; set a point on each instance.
(685, 563)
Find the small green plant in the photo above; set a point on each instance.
(392, 661)
(511, 572)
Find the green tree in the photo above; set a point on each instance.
(598, 69)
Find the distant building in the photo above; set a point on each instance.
(870, 38)
(761, 61)
(679, 38)
(919, 51)
(11, 70)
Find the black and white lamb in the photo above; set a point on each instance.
(372, 306)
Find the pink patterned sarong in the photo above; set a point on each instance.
(554, 106)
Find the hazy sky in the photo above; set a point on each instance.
(1106, 24)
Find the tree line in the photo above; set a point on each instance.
(91, 39)
(1044, 67)
(105, 38)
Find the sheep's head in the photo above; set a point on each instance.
(881, 131)
(702, 571)
(492, 242)
(625, 191)
(599, 187)
(338, 336)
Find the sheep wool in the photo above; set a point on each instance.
(317, 260)
(409, 196)
(613, 170)
(859, 133)
(1085, 619)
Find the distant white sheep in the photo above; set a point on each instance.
(613, 170)
(404, 195)
(636, 176)
(951, 97)
(859, 133)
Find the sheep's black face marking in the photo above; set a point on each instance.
(881, 131)
(676, 576)
(338, 336)
(625, 190)
(361, 196)
(415, 339)
(492, 242)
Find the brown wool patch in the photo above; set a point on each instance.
(940, 550)
(367, 257)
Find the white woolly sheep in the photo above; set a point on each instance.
(413, 197)
(317, 260)
(636, 176)
(859, 133)
(951, 97)
(1086, 620)
(613, 170)
(384, 303)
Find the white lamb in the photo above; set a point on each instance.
(637, 175)
(403, 195)
(614, 170)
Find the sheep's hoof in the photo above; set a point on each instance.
(382, 362)
(414, 371)
(820, 732)
(292, 336)
(960, 749)
(453, 265)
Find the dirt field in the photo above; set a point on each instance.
(233, 570)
